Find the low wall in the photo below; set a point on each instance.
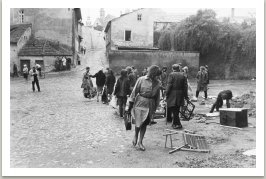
(120, 59)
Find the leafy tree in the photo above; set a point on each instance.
(165, 40)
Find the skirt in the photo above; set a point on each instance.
(147, 121)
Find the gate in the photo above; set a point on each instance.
(22, 63)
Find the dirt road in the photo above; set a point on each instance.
(59, 128)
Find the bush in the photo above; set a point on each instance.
(235, 43)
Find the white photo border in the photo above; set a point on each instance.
(258, 171)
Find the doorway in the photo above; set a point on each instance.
(22, 63)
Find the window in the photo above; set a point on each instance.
(128, 35)
(21, 16)
(139, 17)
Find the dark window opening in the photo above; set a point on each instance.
(128, 35)
(139, 17)
(21, 16)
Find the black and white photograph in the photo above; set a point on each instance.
(128, 88)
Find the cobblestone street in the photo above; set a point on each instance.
(59, 128)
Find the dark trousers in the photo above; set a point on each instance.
(37, 84)
(40, 72)
(175, 111)
(122, 105)
(205, 93)
(219, 103)
(15, 73)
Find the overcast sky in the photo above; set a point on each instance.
(221, 12)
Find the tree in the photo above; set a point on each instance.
(197, 32)
(165, 40)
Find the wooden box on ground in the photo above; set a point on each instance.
(236, 117)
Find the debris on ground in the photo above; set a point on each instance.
(247, 100)
(214, 114)
(202, 102)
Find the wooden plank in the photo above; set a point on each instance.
(195, 150)
(184, 139)
(192, 132)
(171, 141)
(165, 141)
(170, 133)
(176, 149)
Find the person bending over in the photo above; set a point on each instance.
(223, 95)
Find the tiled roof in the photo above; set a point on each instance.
(17, 30)
(44, 47)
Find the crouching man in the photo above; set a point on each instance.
(223, 95)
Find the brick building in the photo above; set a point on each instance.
(43, 52)
(61, 26)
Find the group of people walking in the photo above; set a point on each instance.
(104, 81)
(145, 93)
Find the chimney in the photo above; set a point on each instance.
(232, 13)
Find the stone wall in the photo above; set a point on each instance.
(119, 59)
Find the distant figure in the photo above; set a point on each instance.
(164, 77)
(176, 92)
(110, 83)
(122, 90)
(135, 72)
(15, 70)
(39, 69)
(180, 67)
(223, 95)
(144, 72)
(64, 63)
(185, 72)
(131, 77)
(202, 79)
(87, 84)
(68, 63)
(34, 79)
(207, 70)
(100, 81)
(25, 72)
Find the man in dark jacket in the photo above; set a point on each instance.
(223, 95)
(122, 90)
(176, 91)
(100, 81)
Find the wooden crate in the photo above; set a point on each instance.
(236, 117)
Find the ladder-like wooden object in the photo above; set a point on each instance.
(192, 142)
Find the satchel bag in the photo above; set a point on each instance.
(127, 120)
